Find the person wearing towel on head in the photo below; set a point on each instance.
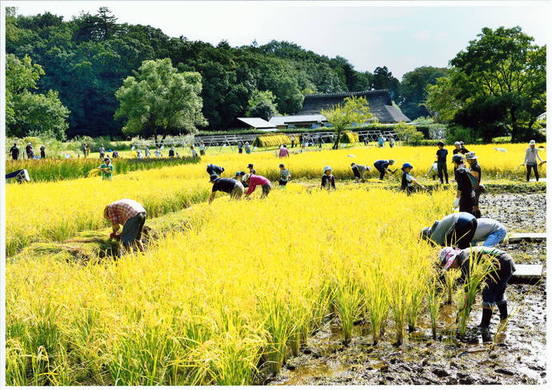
(494, 283)
(456, 230)
(328, 179)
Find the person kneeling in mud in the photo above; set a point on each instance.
(359, 171)
(132, 216)
(231, 186)
(408, 182)
(456, 230)
(256, 180)
(495, 282)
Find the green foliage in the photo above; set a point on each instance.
(341, 116)
(413, 89)
(441, 100)
(262, 104)
(455, 133)
(384, 79)
(409, 134)
(29, 113)
(160, 101)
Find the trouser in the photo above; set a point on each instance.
(282, 182)
(266, 190)
(495, 238)
(442, 171)
(466, 203)
(462, 234)
(132, 229)
(476, 210)
(535, 168)
(382, 173)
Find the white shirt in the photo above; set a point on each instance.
(486, 226)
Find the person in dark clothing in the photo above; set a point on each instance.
(14, 150)
(459, 148)
(475, 172)
(383, 166)
(213, 169)
(408, 182)
(328, 179)
(359, 171)
(29, 151)
(42, 151)
(457, 229)
(465, 193)
(171, 152)
(442, 163)
(252, 170)
(501, 269)
(240, 147)
(231, 186)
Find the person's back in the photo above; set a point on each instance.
(14, 152)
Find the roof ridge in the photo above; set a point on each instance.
(345, 94)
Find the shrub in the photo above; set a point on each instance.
(409, 134)
(460, 133)
(271, 140)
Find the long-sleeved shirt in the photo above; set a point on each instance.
(463, 181)
(122, 210)
(254, 181)
(486, 226)
(442, 228)
(283, 152)
(531, 155)
(328, 182)
(503, 269)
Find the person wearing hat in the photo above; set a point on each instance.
(495, 282)
(106, 169)
(328, 179)
(231, 186)
(459, 148)
(465, 193)
(29, 151)
(442, 154)
(213, 169)
(531, 156)
(475, 172)
(408, 182)
(256, 180)
(383, 166)
(457, 229)
(14, 151)
(42, 151)
(359, 171)
(132, 216)
(252, 170)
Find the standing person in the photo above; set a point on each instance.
(328, 179)
(284, 152)
(256, 180)
(495, 282)
(475, 172)
(531, 156)
(42, 151)
(319, 139)
(381, 142)
(29, 151)
(457, 229)
(359, 171)
(147, 152)
(14, 150)
(459, 148)
(194, 152)
(465, 193)
(231, 186)
(285, 176)
(157, 152)
(132, 216)
(391, 141)
(240, 147)
(383, 167)
(87, 150)
(292, 139)
(83, 148)
(442, 163)
(202, 149)
(252, 170)
(101, 150)
(106, 169)
(364, 139)
(213, 169)
(247, 148)
(171, 152)
(408, 182)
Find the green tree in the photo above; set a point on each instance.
(384, 79)
(504, 65)
(341, 116)
(413, 92)
(441, 101)
(262, 104)
(160, 101)
(29, 113)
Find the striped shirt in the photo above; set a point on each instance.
(122, 210)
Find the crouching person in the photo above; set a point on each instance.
(231, 186)
(494, 283)
(408, 182)
(456, 230)
(132, 216)
(489, 231)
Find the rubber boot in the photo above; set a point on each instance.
(485, 322)
(503, 309)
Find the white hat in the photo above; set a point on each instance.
(532, 142)
(327, 168)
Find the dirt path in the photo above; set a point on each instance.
(517, 357)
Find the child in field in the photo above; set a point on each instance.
(251, 169)
(194, 152)
(408, 182)
(106, 169)
(285, 176)
(434, 170)
(328, 179)
(284, 152)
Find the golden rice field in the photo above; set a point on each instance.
(55, 211)
(227, 301)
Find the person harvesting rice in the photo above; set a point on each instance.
(408, 182)
(256, 180)
(457, 229)
(231, 186)
(328, 179)
(106, 169)
(383, 167)
(285, 176)
(495, 280)
(359, 171)
(213, 169)
(132, 216)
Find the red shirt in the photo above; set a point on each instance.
(122, 210)
(254, 181)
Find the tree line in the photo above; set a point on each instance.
(76, 72)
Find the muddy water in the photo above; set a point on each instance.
(518, 355)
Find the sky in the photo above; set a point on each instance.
(369, 34)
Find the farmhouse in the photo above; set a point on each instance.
(379, 101)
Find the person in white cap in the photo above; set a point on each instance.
(459, 148)
(494, 283)
(328, 179)
(531, 156)
(475, 172)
